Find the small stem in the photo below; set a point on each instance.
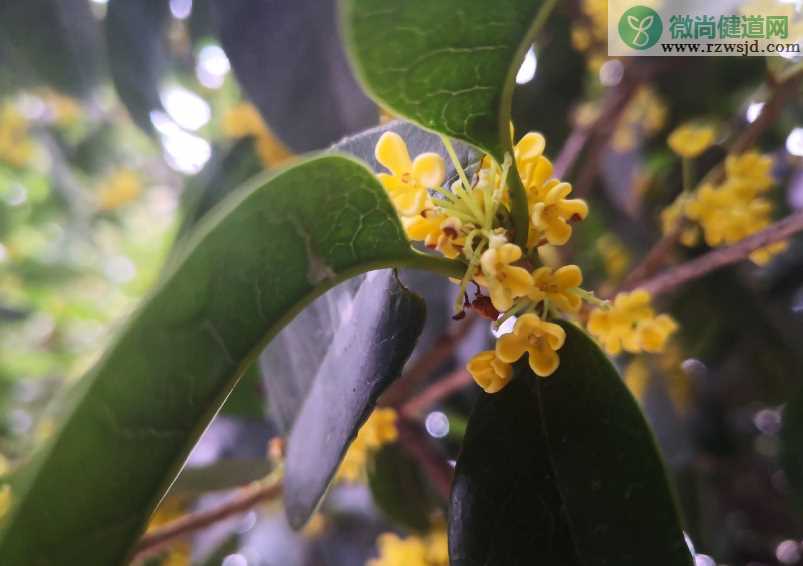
(436, 391)
(434, 263)
(688, 175)
(519, 209)
(456, 162)
(247, 498)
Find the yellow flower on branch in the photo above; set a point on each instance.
(429, 550)
(379, 430)
(536, 337)
(437, 230)
(490, 373)
(751, 170)
(504, 280)
(551, 213)
(558, 287)
(120, 188)
(690, 140)
(408, 180)
(631, 324)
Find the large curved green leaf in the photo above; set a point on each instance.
(129, 423)
(563, 471)
(448, 65)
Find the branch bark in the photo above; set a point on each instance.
(716, 259)
(247, 498)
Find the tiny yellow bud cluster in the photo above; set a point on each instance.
(729, 211)
(379, 430)
(429, 550)
(631, 324)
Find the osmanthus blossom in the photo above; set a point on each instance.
(727, 211)
(691, 140)
(470, 221)
(380, 429)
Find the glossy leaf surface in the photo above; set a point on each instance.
(563, 471)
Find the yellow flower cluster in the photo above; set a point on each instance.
(16, 146)
(470, 221)
(120, 188)
(631, 324)
(243, 121)
(731, 210)
(429, 550)
(378, 430)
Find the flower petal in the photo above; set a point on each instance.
(429, 170)
(391, 151)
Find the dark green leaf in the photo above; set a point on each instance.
(255, 262)
(367, 353)
(448, 66)
(563, 471)
(291, 361)
(222, 474)
(400, 489)
(289, 60)
(55, 42)
(137, 54)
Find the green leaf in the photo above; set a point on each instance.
(447, 65)
(366, 355)
(400, 489)
(563, 471)
(130, 422)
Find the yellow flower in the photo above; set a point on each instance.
(120, 188)
(551, 213)
(378, 430)
(408, 180)
(16, 147)
(504, 280)
(242, 121)
(430, 550)
(557, 287)
(615, 256)
(437, 230)
(636, 376)
(690, 140)
(751, 171)
(631, 324)
(536, 337)
(653, 333)
(490, 373)
(5, 500)
(396, 551)
(762, 256)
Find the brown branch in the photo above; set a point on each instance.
(436, 391)
(713, 260)
(414, 440)
(247, 498)
(427, 363)
(660, 251)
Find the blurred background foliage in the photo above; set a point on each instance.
(123, 123)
